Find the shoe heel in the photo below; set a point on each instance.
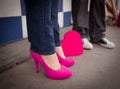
(36, 65)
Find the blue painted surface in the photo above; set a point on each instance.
(67, 18)
(10, 29)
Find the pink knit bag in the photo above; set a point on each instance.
(72, 43)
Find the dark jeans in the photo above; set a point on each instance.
(42, 25)
(92, 25)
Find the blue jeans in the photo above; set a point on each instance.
(42, 25)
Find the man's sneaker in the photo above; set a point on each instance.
(106, 43)
(87, 44)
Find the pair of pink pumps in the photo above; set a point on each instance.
(62, 73)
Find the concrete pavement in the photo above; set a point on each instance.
(95, 69)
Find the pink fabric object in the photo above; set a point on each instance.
(66, 61)
(62, 73)
(72, 43)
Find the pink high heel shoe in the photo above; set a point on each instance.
(66, 61)
(62, 73)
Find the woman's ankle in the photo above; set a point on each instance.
(59, 51)
(52, 61)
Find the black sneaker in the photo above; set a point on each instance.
(106, 43)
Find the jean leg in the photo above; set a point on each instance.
(40, 29)
(75, 9)
(83, 14)
(80, 16)
(54, 18)
(97, 20)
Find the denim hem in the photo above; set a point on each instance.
(97, 39)
(44, 50)
(57, 44)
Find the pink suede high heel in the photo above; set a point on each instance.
(62, 73)
(66, 61)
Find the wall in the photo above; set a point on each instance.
(13, 19)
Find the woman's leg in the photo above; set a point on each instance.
(41, 31)
(54, 17)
